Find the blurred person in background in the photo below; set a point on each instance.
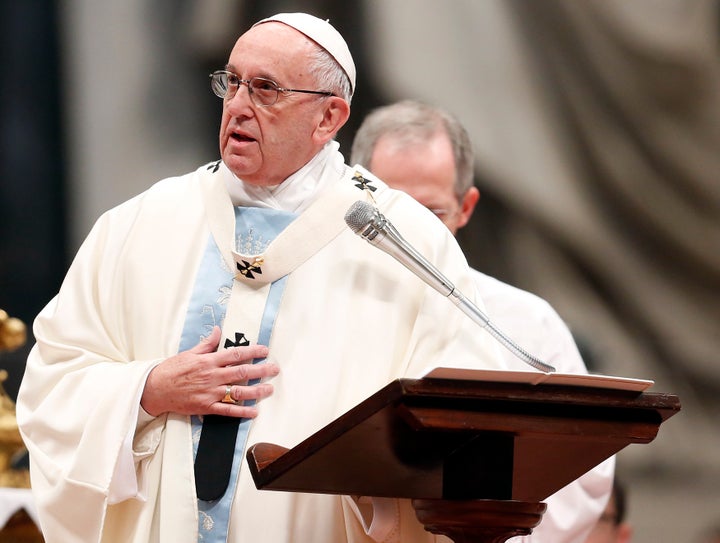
(427, 153)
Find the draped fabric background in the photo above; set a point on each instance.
(596, 125)
(32, 215)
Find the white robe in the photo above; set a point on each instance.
(534, 324)
(351, 320)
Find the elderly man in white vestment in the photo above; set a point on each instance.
(426, 152)
(247, 259)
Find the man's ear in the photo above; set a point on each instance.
(334, 115)
(467, 206)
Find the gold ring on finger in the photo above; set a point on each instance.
(228, 398)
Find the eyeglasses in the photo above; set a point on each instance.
(263, 92)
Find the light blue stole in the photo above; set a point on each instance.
(255, 228)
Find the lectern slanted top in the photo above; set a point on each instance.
(466, 439)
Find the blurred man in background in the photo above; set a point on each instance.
(427, 153)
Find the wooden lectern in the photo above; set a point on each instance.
(476, 457)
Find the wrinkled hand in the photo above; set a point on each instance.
(194, 382)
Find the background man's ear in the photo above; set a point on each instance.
(467, 206)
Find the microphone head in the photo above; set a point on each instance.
(359, 215)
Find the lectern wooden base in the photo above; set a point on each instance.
(479, 521)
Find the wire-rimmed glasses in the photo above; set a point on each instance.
(263, 92)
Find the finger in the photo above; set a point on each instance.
(239, 355)
(241, 393)
(237, 411)
(249, 372)
(208, 344)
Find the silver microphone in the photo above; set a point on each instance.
(367, 222)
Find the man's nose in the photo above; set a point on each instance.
(241, 99)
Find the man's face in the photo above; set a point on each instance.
(425, 171)
(264, 145)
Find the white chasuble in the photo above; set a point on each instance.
(350, 319)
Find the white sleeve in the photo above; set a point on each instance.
(573, 510)
(139, 444)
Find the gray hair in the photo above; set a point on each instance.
(329, 74)
(410, 122)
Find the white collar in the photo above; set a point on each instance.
(298, 191)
